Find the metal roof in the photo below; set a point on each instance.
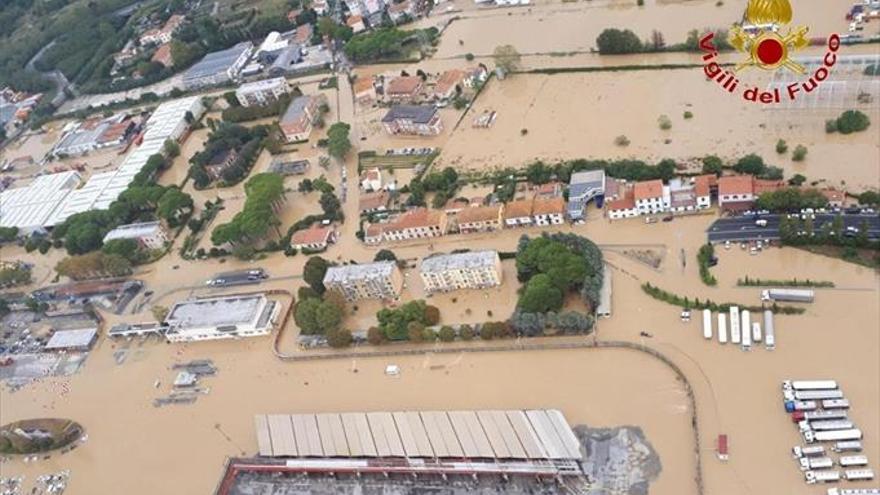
(67, 339)
(419, 114)
(217, 62)
(511, 435)
(133, 231)
(367, 271)
(32, 206)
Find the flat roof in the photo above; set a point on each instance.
(539, 434)
(458, 261)
(379, 269)
(419, 114)
(216, 311)
(33, 205)
(133, 231)
(66, 339)
(216, 62)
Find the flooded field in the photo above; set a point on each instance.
(579, 116)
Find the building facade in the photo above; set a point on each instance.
(149, 235)
(651, 197)
(296, 123)
(480, 219)
(548, 211)
(736, 192)
(380, 280)
(416, 224)
(471, 270)
(262, 92)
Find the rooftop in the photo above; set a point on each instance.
(448, 80)
(648, 189)
(547, 206)
(735, 184)
(833, 195)
(366, 271)
(362, 84)
(404, 85)
(296, 110)
(217, 62)
(66, 339)
(518, 209)
(262, 84)
(216, 311)
(419, 114)
(373, 200)
(703, 183)
(416, 218)
(457, 261)
(315, 234)
(133, 231)
(625, 202)
(32, 206)
(479, 214)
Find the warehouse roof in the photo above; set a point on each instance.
(133, 231)
(520, 435)
(217, 62)
(419, 114)
(458, 261)
(72, 339)
(216, 311)
(30, 207)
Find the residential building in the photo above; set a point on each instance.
(163, 55)
(403, 89)
(835, 198)
(374, 202)
(480, 218)
(448, 85)
(219, 162)
(218, 67)
(416, 224)
(296, 123)
(163, 34)
(315, 238)
(548, 190)
(476, 76)
(736, 192)
(262, 92)
(364, 91)
(583, 187)
(471, 270)
(149, 235)
(321, 7)
(373, 234)
(651, 196)
(356, 23)
(399, 12)
(413, 120)
(223, 317)
(548, 211)
(622, 207)
(371, 180)
(703, 185)
(682, 196)
(518, 213)
(380, 280)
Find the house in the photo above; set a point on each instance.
(835, 198)
(373, 202)
(364, 91)
(356, 23)
(163, 55)
(548, 211)
(456, 271)
(703, 185)
(448, 85)
(480, 219)
(400, 12)
(373, 234)
(321, 7)
(259, 93)
(548, 190)
(518, 213)
(651, 196)
(149, 235)
(736, 192)
(380, 280)
(315, 238)
(622, 207)
(416, 224)
(476, 76)
(163, 35)
(682, 196)
(219, 162)
(419, 120)
(403, 89)
(582, 187)
(371, 180)
(296, 123)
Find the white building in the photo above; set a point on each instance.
(622, 207)
(471, 270)
(150, 235)
(29, 208)
(224, 317)
(651, 197)
(380, 280)
(262, 92)
(371, 180)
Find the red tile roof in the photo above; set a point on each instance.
(372, 201)
(518, 209)
(448, 80)
(313, 235)
(549, 206)
(648, 189)
(626, 202)
(419, 217)
(735, 184)
(362, 85)
(479, 214)
(703, 183)
(163, 55)
(404, 85)
(762, 186)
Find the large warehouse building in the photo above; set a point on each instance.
(50, 199)
(224, 317)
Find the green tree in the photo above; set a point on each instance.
(339, 338)
(126, 248)
(375, 336)
(446, 334)
(507, 58)
(781, 146)
(431, 315)
(540, 295)
(871, 198)
(174, 204)
(852, 121)
(750, 164)
(796, 180)
(328, 317)
(338, 143)
(171, 148)
(466, 332)
(616, 41)
(314, 271)
(385, 255)
(306, 316)
(712, 165)
(799, 153)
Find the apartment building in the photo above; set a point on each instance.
(624, 206)
(380, 280)
(736, 192)
(416, 224)
(471, 270)
(651, 196)
(413, 120)
(296, 123)
(404, 89)
(263, 92)
(480, 219)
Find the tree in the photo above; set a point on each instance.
(385, 255)
(506, 58)
(712, 165)
(781, 146)
(339, 338)
(664, 122)
(852, 121)
(375, 336)
(338, 144)
(869, 198)
(330, 205)
(796, 180)
(446, 334)
(305, 316)
(432, 315)
(540, 295)
(750, 164)
(328, 317)
(658, 43)
(799, 153)
(415, 331)
(306, 293)
(159, 313)
(615, 41)
(314, 271)
(8, 234)
(173, 205)
(172, 149)
(126, 248)
(466, 332)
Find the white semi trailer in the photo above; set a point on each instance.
(769, 331)
(734, 325)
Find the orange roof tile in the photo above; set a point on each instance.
(448, 80)
(480, 214)
(373, 230)
(626, 202)
(648, 189)
(549, 206)
(362, 84)
(518, 209)
(372, 201)
(736, 184)
(703, 183)
(354, 19)
(404, 85)
(312, 235)
(419, 217)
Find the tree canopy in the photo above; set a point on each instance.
(338, 144)
(616, 41)
(507, 58)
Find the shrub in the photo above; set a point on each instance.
(447, 334)
(781, 146)
(799, 153)
(466, 332)
(831, 126)
(704, 257)
(852, 121)
(469, 57)
(621, 140)
(688, 115)
(664, 122)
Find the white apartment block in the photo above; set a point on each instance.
(263, 92)
(380, 280)
(471, 270)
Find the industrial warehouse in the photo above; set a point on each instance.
(533, 446)
(222, 317)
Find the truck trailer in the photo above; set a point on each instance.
(756, 331)
(832, 435)
(830, 424)
(847, 446)
(769, 331)
(809, 451)
(853, 491)
(722, 328)
(745, 323)
(809, 385)
(814, 463)
(798, 405)
(818, 394)
(853, 460)
(789, 295)
(734, 325)
(859, 474)
(824, 476)
(835, 404)
(707, 324)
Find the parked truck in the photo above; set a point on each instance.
(853, 460)
(707, 324)
(859, 474)
(823, 476)
(809, 451)
(745, 323)
(847, 446)
(818, 394)
(813, 463)
(798, 416)
(829, 424)
(835, 404)
(853, 491)
(798, 405)
(722, 328)
(832, 436)
(790, 295)
(809, 385)
(734, 325)
(769, 331)
(756, 331)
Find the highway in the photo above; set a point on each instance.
(743, 228)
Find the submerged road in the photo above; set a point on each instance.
(745, 229)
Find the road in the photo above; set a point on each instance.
(744, 229)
